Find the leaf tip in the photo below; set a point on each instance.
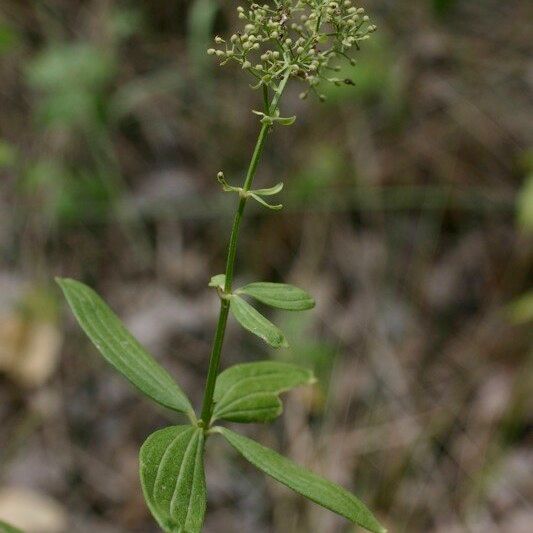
(64, 282)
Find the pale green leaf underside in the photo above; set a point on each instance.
(257, 198)
(120, 348)
(6, 528)
(306, 483)
(256, 323)
(173, 478)
(280, 295)
(250, 392)
(270, 191)
(218, 281)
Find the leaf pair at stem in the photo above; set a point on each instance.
(278, 295)
(172, 459)
(256, 194)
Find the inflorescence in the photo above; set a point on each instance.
(299, 37)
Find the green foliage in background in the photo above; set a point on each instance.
(442, 7)
(9, 38)
(201, 19)
(525, 205)
(8, 155)
(73, 86)
(71, 79)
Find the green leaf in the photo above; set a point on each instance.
(173, 478)
(268, 119)
(250, 392)
(270, 191)
(218, 281)
(286, 121)
(256, 323)
(279, 295)
(6, 528)
(257, 198)
(121, 349)
(302, 481)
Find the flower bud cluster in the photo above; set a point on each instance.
(302, 37)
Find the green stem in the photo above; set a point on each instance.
(214, 362)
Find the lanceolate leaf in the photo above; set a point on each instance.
(279, 295)
(173, 479)
(256, 323)
(250, 392)
(317, 489)
(121, 349)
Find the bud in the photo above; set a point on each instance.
(311, 35)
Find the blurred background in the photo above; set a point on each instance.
(408, 215)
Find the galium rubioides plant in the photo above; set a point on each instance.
(282, 40)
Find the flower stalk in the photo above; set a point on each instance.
(214, 361)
